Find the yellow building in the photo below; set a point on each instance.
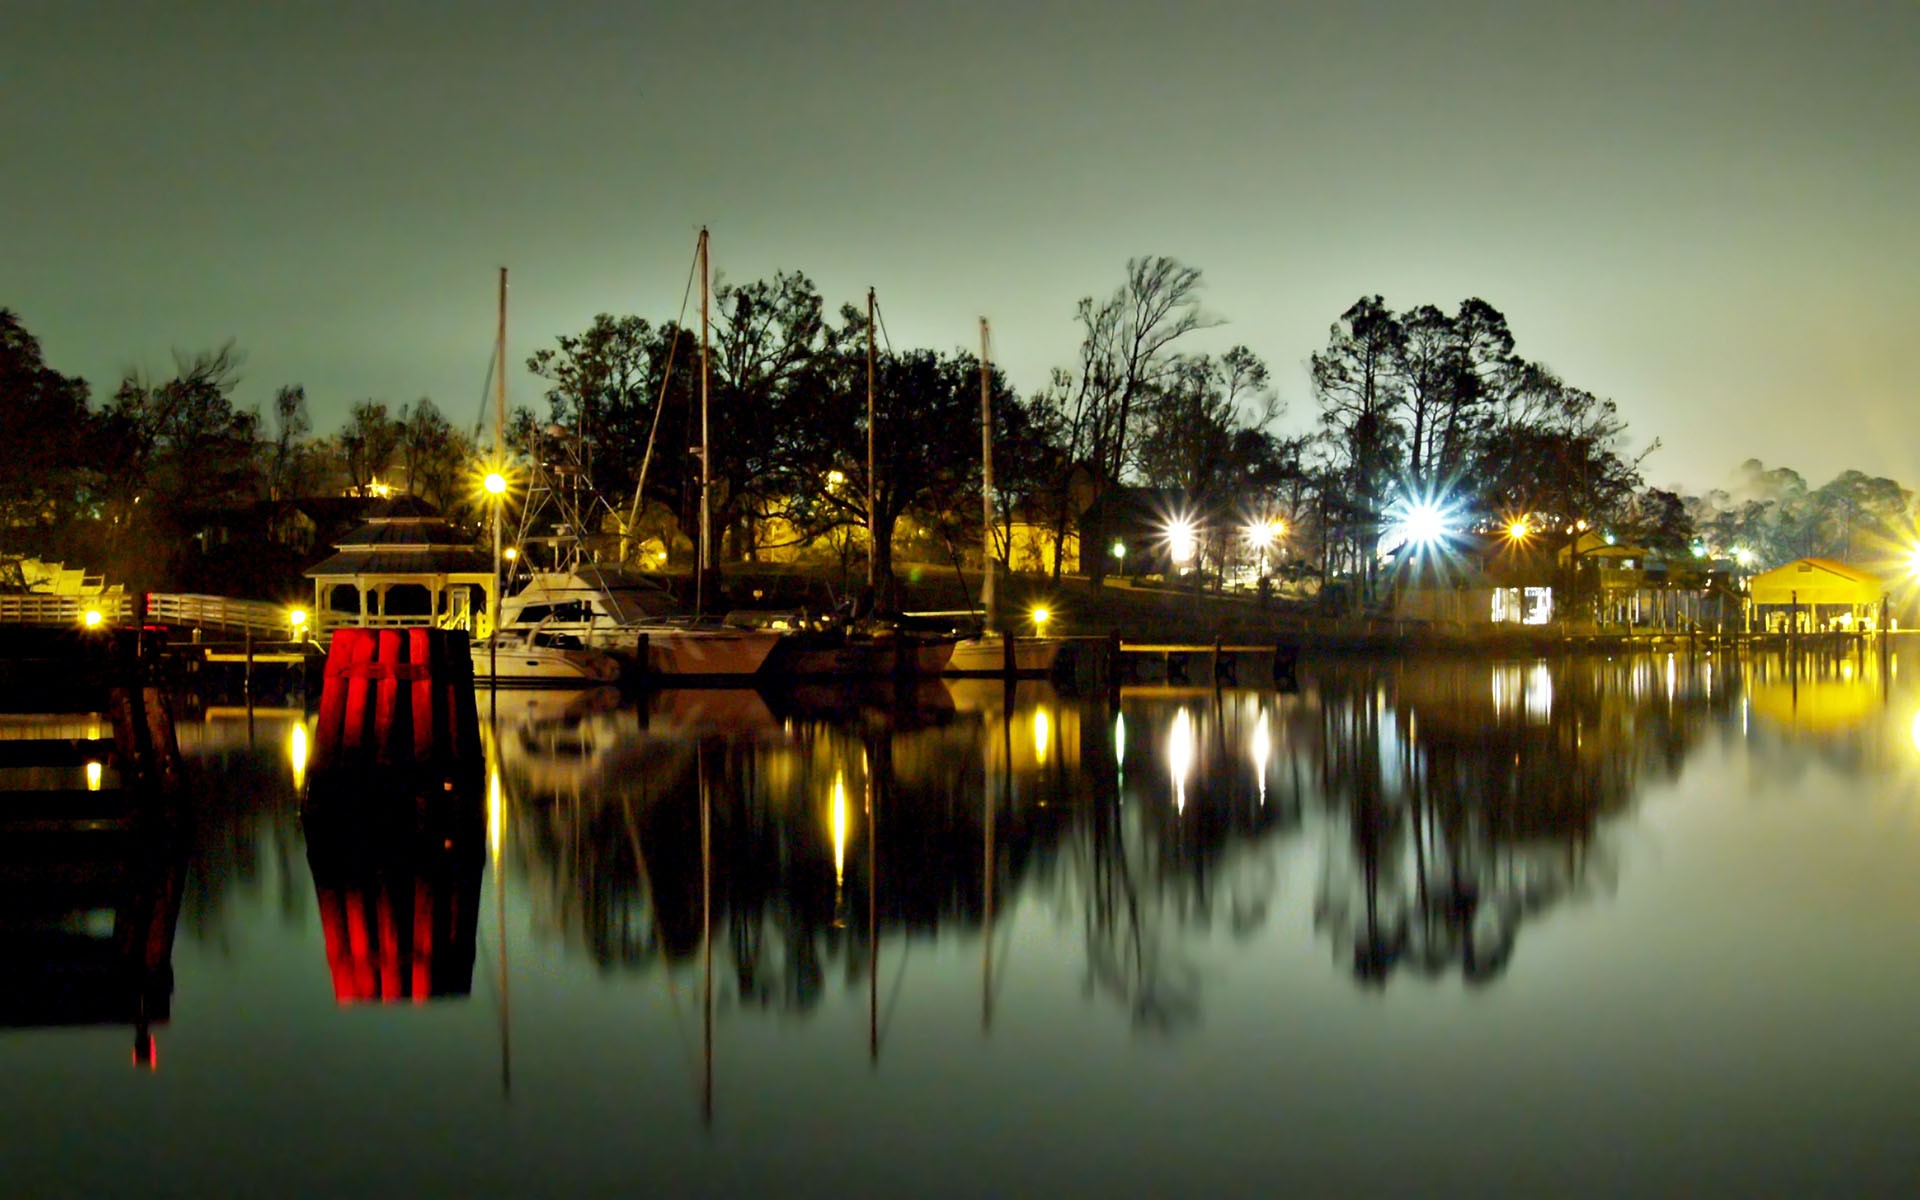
(1821, 593)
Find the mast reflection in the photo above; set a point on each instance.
(1448, 806)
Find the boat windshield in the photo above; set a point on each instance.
(587, 595)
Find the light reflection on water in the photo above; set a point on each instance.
(1571, 906)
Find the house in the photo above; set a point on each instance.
(1475, 579)
(405, 566)
(1033, 538)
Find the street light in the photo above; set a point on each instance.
(1040, 617)
(1519, 531)
(92, 618)
(1182, 540)
(496, 485)
(297, 618)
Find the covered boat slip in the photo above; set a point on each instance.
(1811, 595)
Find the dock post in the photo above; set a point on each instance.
(1113, 668)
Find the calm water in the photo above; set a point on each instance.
(1548, 928)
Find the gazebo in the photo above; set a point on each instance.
(407, 566)
(1825, 593)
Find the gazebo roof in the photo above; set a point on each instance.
(403, 560)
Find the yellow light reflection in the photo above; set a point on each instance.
(1042, 735)
(1119, 740)
(1262, 751)
(93, 776)
(1180, 756)
(496, 814)
(297, 755)
(839, 817)
(1916, 733)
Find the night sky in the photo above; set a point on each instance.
(1706, 214)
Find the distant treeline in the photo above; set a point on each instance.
(1425, 407)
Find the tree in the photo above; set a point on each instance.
(368, 443)
(1661, 524)
(927, 446)
(775, 361)
(43, 425)
(291, 424)
(1126, 348)
(170, 451)
(1358, 385)
(436, 457)
(609, 386)
(1454, 371)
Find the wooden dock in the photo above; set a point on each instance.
(91, 819)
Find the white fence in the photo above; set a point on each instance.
(209, 613)
(46, 608)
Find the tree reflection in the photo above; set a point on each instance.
(1447, 804)
(1474, 800)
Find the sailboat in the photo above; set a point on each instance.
(606, 609)
(993, 653)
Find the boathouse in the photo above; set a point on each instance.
(1808, 595)
(406, 566)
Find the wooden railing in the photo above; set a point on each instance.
(47, 608)
(186, 611)
(181, 611)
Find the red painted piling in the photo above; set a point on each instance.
(397, 699)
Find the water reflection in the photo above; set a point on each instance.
(996, 892)
(1450, 805)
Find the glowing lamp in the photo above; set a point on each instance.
(495, 483)
(1040, 618)
(1425, 524)
(1182, 540)
(1518, 531)
(91, 618)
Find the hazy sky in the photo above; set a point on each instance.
(1706, 211)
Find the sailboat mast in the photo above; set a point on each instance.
(872, 544)
(706, 457)
(500, 465)
(989, 601)
(500, 379)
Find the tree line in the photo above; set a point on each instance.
(1429, 406)
(128, 484)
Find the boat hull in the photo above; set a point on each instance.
(706, 653)
(857, 656)
(542, 666)
(987, 656)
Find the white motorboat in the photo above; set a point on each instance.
(540, 656)
(618, 614)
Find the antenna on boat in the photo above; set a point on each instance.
(873, 547)
(989, 600)
(706, 464)
(499, 501)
